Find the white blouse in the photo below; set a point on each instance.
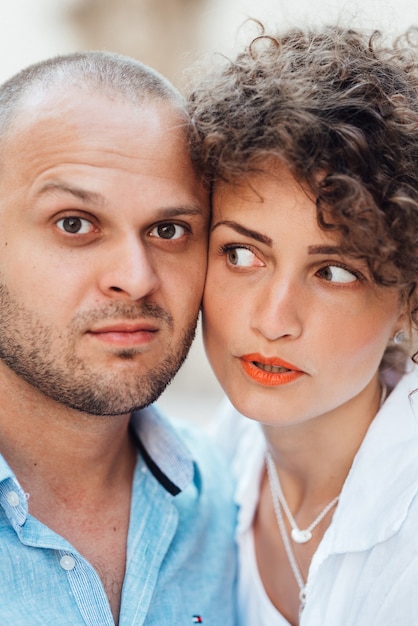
(365, 570)
(254, 605)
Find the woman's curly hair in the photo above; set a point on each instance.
(340, 108)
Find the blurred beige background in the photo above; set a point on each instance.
(169, 35)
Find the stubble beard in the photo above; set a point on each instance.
(49, 363)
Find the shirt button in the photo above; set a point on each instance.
(67, 562)
(13, 498)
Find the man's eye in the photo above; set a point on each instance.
(337, 274)
(241, 257)
(168, 231)
(75, 225)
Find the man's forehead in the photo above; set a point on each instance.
(69, 132)
(85, 116)
(59, 100)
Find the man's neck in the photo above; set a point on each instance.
(47, 443)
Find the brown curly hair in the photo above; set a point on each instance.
(340, 108)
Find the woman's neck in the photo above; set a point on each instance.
(314, 457)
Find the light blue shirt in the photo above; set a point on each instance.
(180, 566)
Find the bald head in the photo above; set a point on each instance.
(103, 73)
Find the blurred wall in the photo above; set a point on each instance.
(169, 35)
(31, 30)
(162, 33)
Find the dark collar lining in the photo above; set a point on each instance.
(153, 467)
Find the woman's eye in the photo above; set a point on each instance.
(337, 274)
(241, 257)
(168, 231)
(75, 225)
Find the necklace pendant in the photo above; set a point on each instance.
(301, 536)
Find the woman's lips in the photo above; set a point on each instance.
(269, 371)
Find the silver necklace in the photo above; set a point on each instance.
(276, 491)
(298, 535)
(272, 475)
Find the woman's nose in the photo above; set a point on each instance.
(278, 310)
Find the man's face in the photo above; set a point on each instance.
(102, 251)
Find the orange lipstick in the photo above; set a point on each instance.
(269, 371)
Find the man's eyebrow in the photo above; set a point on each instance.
(246, 232)
(187, 210)
(89, 197)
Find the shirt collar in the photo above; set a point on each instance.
(13, 499)
(5, 471)
(165, 454)
(383, 479)
(249, 475)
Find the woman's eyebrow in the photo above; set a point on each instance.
(324, 250)
(246, 232)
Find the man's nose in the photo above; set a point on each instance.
(128, 271)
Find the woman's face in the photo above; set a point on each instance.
(293, 328)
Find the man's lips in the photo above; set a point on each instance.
(270, 371)
(125, 327)
(125, 333)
